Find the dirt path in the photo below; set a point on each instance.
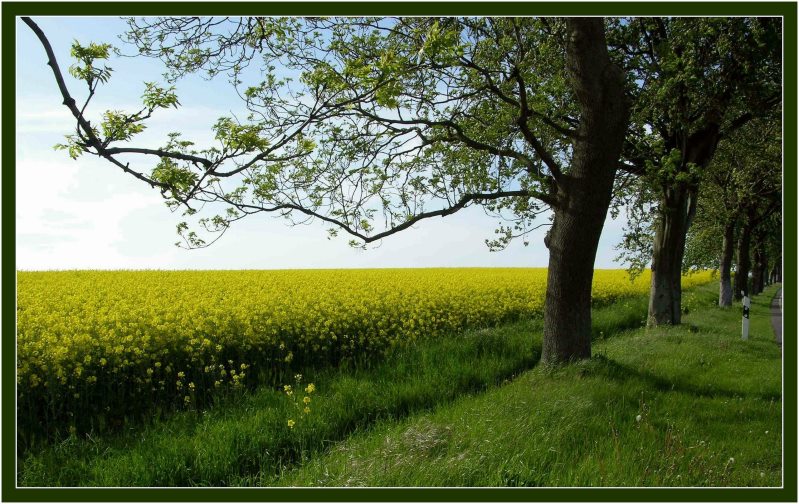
(776, 316)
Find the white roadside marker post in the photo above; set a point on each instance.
(745, 320)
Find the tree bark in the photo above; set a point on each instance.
(741, 284)
(727, 251)
(583, 193)
(676, 212)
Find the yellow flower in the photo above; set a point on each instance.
(306, 410)
(291, 424)
(61, 339)
(287, 389)
(306, 399)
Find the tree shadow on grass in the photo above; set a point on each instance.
(616, 371)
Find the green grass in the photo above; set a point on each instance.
(469, 410)
(709, 407)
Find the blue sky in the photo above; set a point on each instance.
(87, 214)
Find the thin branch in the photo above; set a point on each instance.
(160, 153)
(746, 117)
(71, 105)
(461, 203)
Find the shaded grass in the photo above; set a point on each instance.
(678, 406)
(246, 438)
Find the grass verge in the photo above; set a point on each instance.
(247, 438)
(678, 406)
(434, 415)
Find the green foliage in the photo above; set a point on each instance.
(178, 178)
(176, 144)
(73, 146)
(694, 80)
(692, 72)
(237, 137)
(745, 175)
(156, 96)
(118, 126)
(85, 69)
(370, 122)
(671, 169)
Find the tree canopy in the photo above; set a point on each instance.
(695, 81)
(740, 193)
(368, 124)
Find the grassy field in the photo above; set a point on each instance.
(685, 406)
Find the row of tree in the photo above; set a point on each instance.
(372, 125)
(739, 214)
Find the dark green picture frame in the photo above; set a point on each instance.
(10, 11)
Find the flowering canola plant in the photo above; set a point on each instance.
(95, 348)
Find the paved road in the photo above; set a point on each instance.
(776, 316)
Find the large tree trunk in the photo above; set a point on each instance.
(676, 212)
(572, 243)
(741, 284)
(727, 251)
(583, 193)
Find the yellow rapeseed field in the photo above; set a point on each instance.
(96, 347)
